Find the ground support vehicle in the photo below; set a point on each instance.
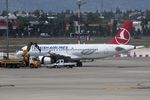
(34, 63)
(11, 63)
(17, 63)
(60, 63)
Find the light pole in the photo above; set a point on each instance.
(7, 30)
(79, 3)
(102, 6)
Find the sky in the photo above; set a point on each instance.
(62, 5)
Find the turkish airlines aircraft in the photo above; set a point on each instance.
(78, 52)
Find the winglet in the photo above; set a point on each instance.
(123, 36)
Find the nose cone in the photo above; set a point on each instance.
(19, 54)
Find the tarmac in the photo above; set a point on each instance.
(107, 79)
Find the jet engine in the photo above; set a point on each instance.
(45, 59)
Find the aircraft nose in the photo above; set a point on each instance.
(19, 54)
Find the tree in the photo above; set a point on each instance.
(23, 24)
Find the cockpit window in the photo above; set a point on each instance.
(21, 50)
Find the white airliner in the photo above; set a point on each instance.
(78, 52)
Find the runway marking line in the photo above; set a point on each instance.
(116, 89)
(123, 89)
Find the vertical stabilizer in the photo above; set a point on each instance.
(123, 36)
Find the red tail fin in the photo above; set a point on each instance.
(123, 36)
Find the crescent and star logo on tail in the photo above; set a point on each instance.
(123, 37)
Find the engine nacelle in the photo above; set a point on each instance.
(45, 59)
